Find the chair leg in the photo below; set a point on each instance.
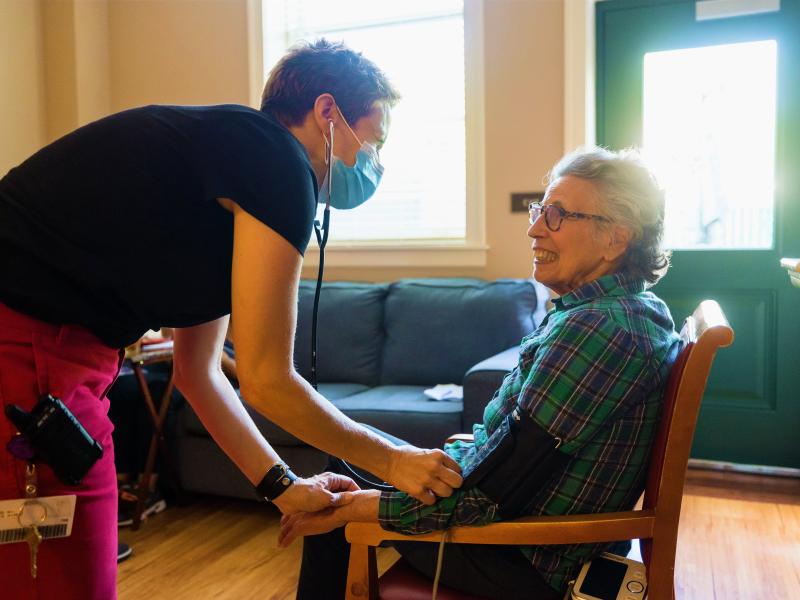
(649, 596)
(362, 573)
(660, 585)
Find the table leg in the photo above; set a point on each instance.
(156, 440)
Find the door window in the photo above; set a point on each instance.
(709, 133)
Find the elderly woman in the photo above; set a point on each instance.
(592, 375)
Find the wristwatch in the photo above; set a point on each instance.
(275, 482)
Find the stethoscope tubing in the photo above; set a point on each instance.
(321, 232)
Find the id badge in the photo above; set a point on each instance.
(51, 515)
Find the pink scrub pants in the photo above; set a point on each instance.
(71, 364)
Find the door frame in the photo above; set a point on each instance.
(579, 74)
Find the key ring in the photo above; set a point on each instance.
(31, 515)
(31, 481)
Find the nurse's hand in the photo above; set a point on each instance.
(316, 493)
(424, 474)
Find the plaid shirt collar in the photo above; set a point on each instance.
(615, 284)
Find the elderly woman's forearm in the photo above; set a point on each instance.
(401, 513)
(363, 508)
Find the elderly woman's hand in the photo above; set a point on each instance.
(362, 507)
(309, 523)
(316, 493)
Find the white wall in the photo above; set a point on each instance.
(178, 52)
(101, 56)
(22, 116)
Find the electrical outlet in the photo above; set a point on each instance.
(521, 200)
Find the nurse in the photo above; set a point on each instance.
(218, 202)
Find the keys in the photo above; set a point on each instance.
(33, 538)
(31, 513)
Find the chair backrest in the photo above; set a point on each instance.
(702, 334)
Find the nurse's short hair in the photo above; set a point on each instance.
(310, 69)
(631, 197)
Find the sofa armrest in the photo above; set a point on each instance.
(481, 382)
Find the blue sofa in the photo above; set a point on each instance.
(379, 346)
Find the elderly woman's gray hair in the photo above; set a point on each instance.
(631, 197)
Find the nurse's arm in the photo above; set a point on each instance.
(199, 376)
(266, 272)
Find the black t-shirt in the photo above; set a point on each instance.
(116, 226)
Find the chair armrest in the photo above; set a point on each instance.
(362, 576)
(560, 529)
(481, 382)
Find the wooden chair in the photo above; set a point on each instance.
(656, 524)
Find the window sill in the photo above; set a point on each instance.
(426, 254)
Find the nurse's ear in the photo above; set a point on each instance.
(325, 112)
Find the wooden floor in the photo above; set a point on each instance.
(739, 540)
(214, 548)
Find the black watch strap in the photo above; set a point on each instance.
(275, 482)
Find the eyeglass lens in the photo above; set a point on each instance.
(552, 216)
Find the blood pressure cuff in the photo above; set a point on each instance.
(515, 463)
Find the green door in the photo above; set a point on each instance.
(715, 105)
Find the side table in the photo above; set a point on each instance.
(138, 362)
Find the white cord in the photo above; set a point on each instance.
(439, 565)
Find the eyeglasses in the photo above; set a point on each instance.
(554, 215)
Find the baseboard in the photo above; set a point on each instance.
(719, 465)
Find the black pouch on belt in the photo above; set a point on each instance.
(57, 438)
(514, 464)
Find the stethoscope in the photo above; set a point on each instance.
(321, 231)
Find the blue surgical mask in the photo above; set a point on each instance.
(352, 186)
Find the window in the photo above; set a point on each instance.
(426, 198)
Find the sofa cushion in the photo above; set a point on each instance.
(205, 469)
(436, 329)
(349, 332)
(404, 411)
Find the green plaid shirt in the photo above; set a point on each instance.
(592, 374)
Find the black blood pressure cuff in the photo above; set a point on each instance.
(515, 463)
